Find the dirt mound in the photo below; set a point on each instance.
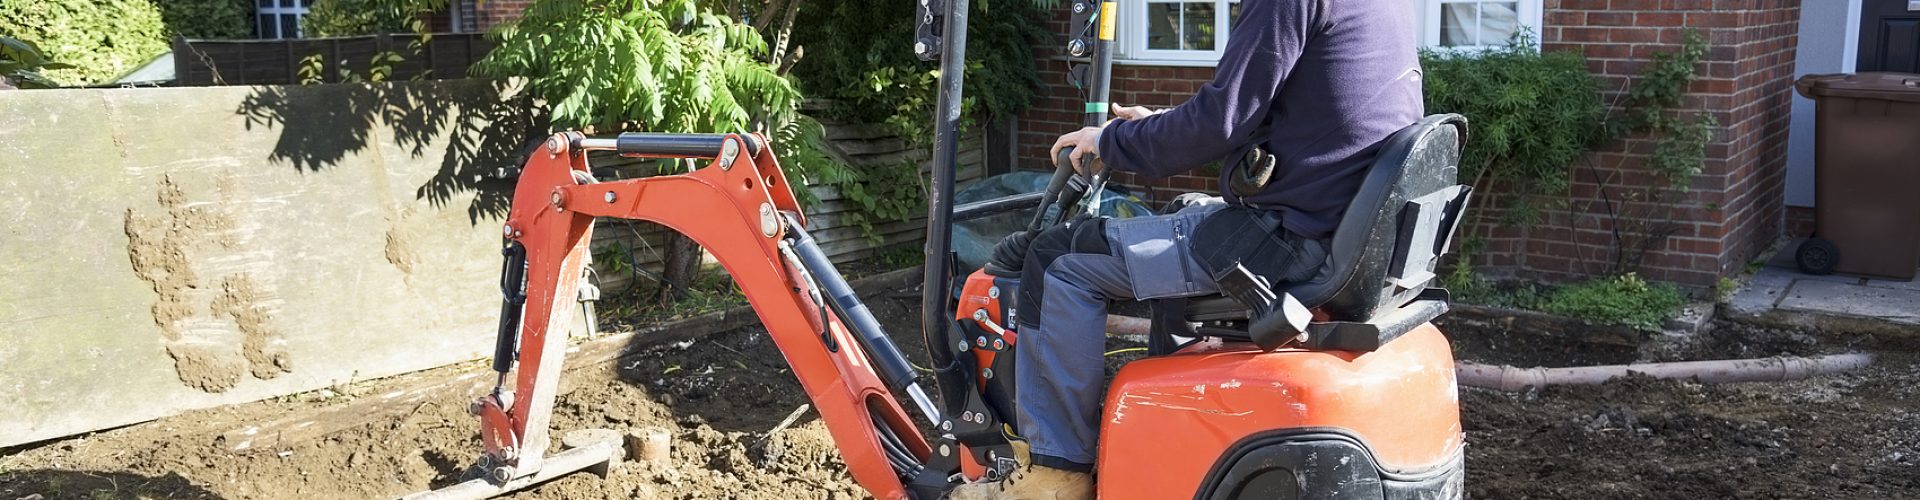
(1853, 436)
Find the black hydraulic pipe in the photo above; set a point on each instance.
(887, 359)
(663, 145)
(996, 206)
(513, 281)
(936, 291)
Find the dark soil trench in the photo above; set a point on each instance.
(1848, 436)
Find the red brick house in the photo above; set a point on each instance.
(1167, 49)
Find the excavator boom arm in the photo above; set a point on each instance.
(740, 208)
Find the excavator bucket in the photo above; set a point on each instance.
(597, 457)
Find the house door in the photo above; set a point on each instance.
(1890, 36)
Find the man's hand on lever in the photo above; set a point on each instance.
(1086, 141)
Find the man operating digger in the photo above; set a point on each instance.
(1309, 87)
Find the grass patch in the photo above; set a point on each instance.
(1625, 300)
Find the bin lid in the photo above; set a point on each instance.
(1903, 87)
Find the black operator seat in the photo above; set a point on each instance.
(1380, 281)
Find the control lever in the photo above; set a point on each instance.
(1278, 318)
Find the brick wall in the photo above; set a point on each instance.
(1735, 208)
(490, 13)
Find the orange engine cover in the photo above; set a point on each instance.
(1169, 419)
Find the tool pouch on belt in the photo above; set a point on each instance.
(1253, 238)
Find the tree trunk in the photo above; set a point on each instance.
(680, 264)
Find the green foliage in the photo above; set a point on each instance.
(1536, 115)
(207, 19)
(1626, 300)
(899, 257)
(711, 289)
(1724, 289)
(1680, 143)
(21, 63)
(100, 39)
(860, 56)
(804, 141)
(368, 17)
(1640, 218)
(655, 65)
(1533, 114)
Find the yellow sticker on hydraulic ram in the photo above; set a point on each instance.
(1106, 20)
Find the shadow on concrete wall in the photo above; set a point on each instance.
(488, 126)
(52, 484)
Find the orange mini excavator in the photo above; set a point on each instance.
(1335, 388)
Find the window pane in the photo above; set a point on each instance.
(1163, 26)
(1198, 24)
(265, 27)
(1233, 15)
(289, 26)
(1498, 22)
(1459, 24)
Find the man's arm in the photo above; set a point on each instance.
(1262, 50)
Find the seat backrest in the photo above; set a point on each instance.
(1384, 251)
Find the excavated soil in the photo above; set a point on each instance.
(1850, 436)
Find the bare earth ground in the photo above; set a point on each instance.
(1851, 436)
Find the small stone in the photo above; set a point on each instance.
(618, 415)
(356, 459)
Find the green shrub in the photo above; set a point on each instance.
(207, 19)
(101, 39)
(1532, 114)
(859, 54)
(1626, 300)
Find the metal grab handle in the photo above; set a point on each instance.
(665, 145)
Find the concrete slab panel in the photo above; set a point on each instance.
(173, 249)
(1891, 305)
(1762, 292)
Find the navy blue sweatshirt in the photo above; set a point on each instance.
(1319, 83)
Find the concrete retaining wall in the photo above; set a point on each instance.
(171, 249)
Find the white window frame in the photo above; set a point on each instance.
(1131, 43)
(1531, 17)
(274, 10)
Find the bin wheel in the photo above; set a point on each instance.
(1817, 256)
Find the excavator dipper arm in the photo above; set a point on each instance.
(741, 209)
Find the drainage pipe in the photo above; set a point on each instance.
(1778, 369)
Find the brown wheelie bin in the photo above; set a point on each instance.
(1866, 175)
